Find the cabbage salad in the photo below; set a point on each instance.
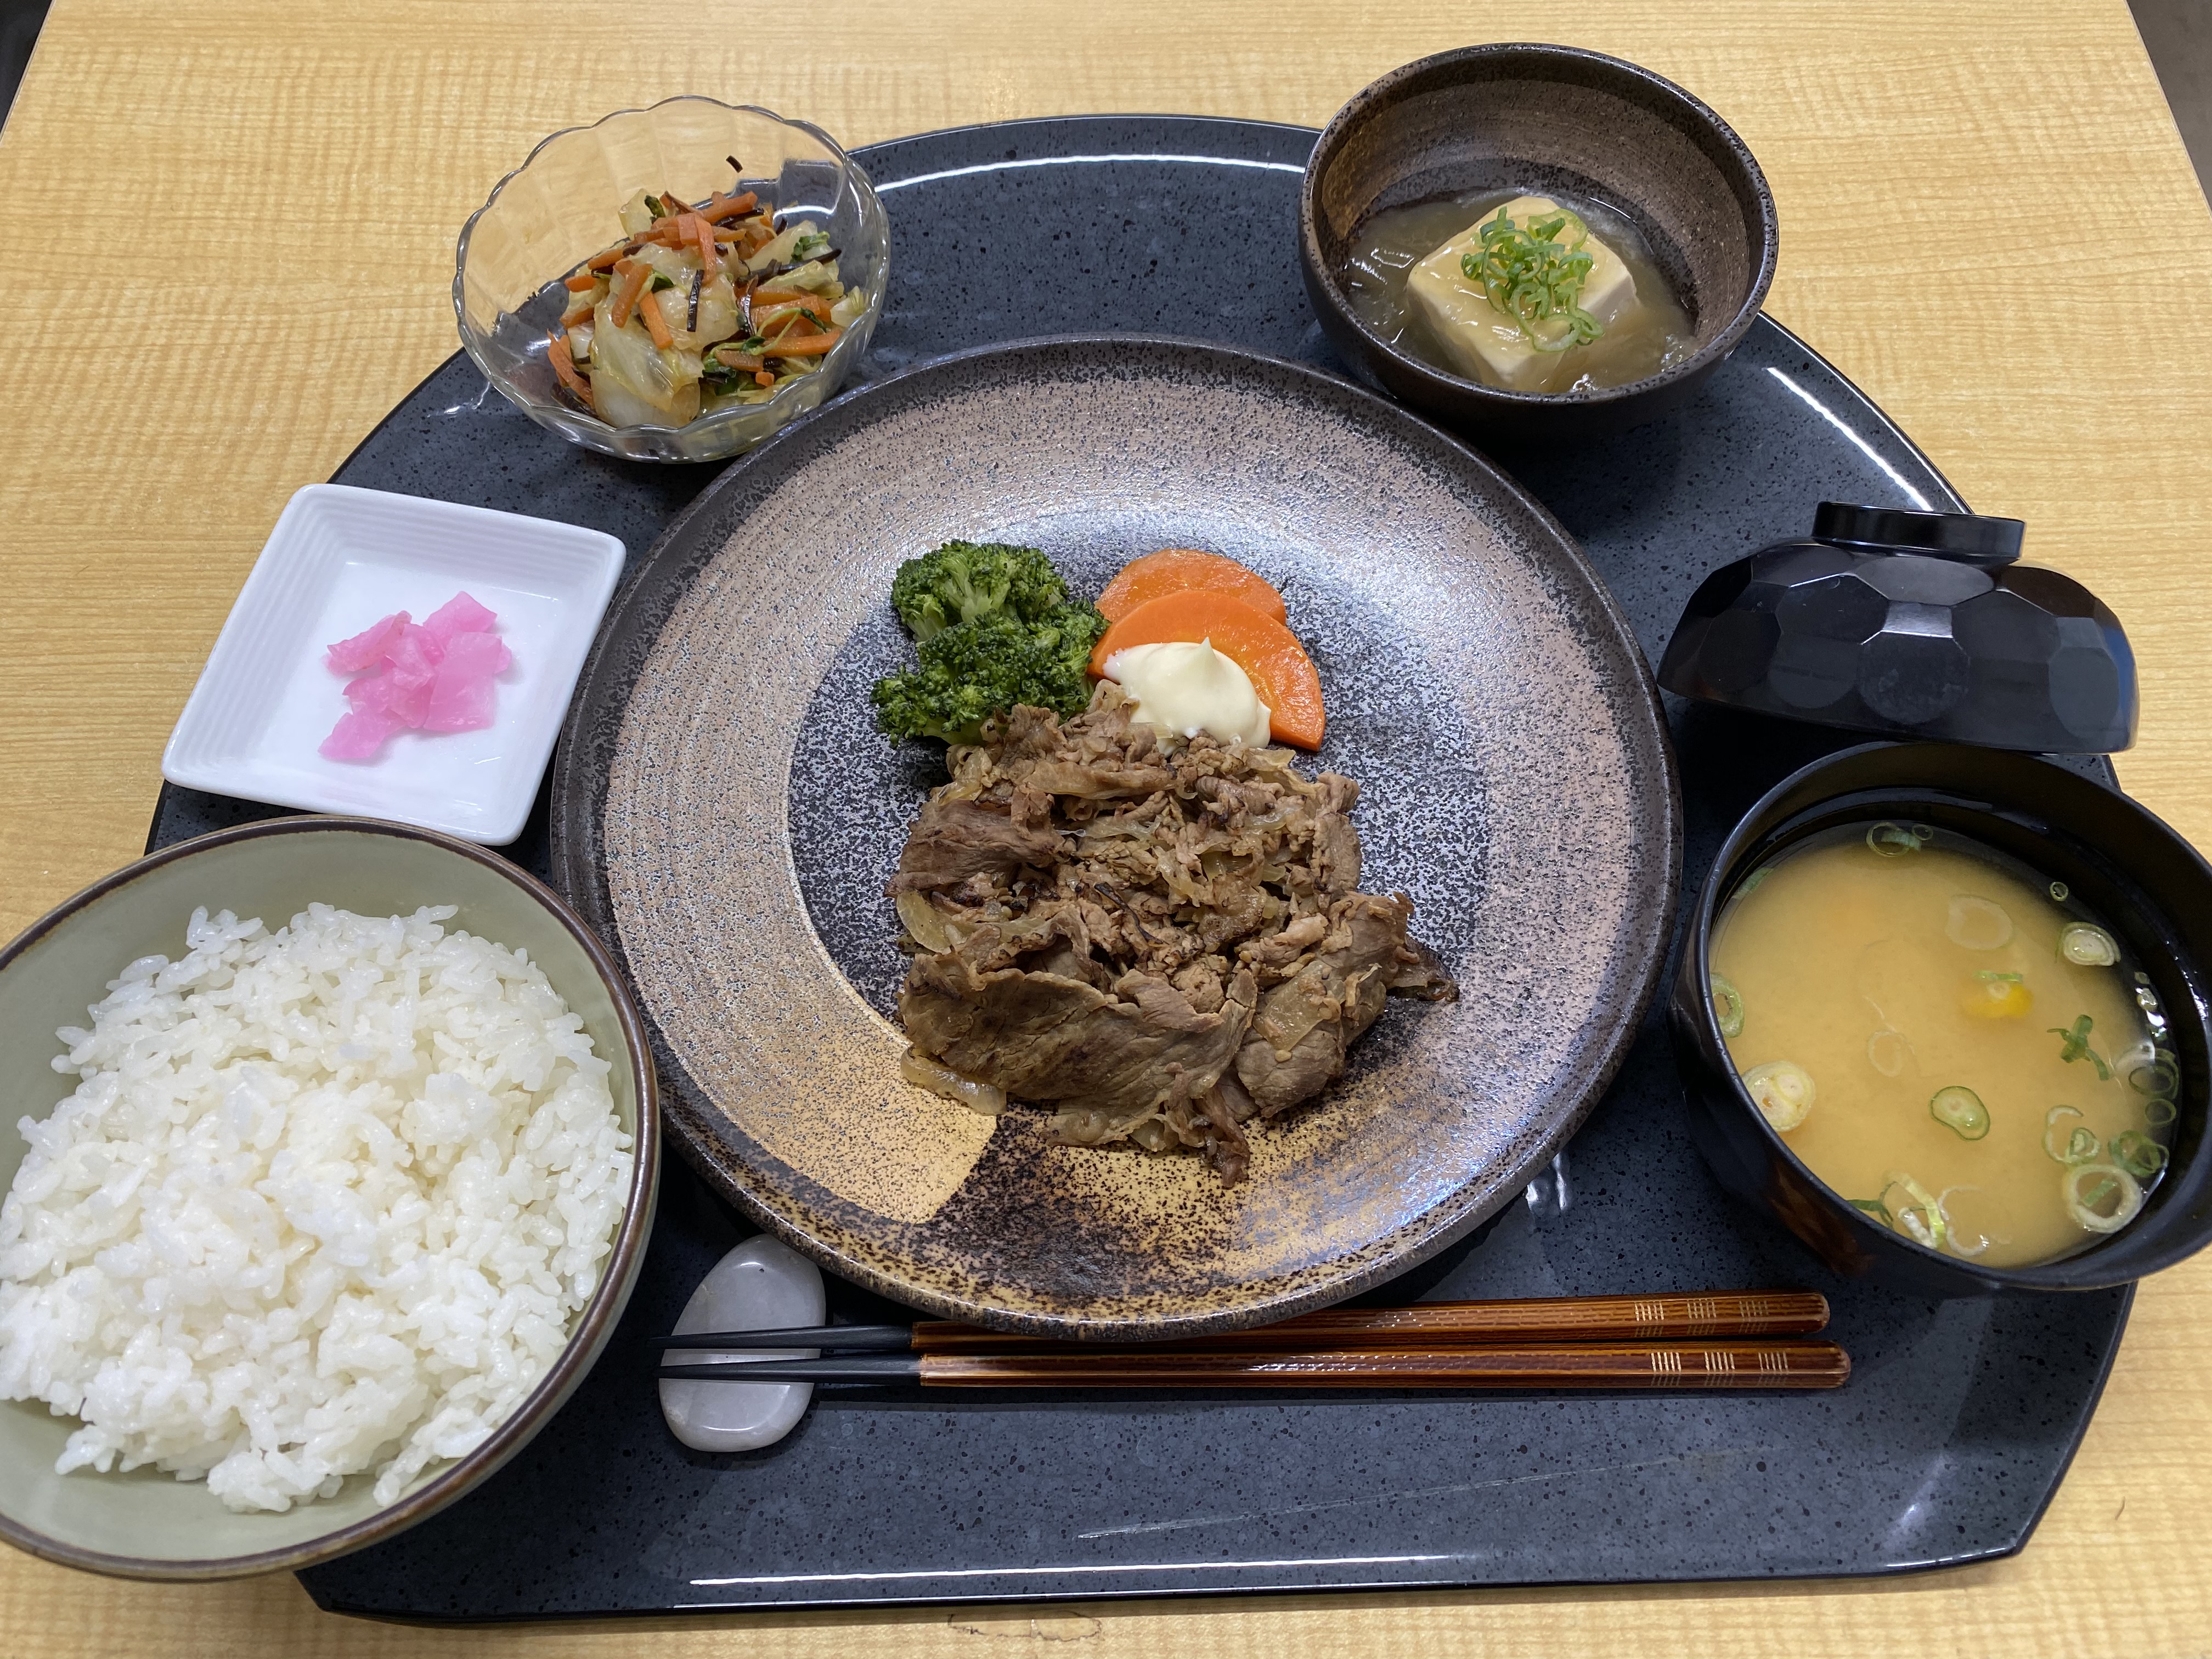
(699, 308)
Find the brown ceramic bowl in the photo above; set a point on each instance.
(146, 1524)
(1542, 119)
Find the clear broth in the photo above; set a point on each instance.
(1655, 335)
(1847, 965)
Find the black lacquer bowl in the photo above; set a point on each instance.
(1536, 117)
(2118, 858)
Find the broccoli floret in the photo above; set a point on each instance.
(973, 670)
(967, 581)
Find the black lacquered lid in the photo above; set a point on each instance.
(1915, 624)
(1964, 536)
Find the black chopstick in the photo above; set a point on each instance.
(1636, 1366)
(1740, 1315)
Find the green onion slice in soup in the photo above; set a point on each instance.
(1960, 1109)
(1782, 1091)
(2088, 947)
(2100, 1197)
(2137, 1153)
(2076, 1146)
(1728, 1005)
(1920, 1217)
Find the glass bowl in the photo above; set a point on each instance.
(562, 205)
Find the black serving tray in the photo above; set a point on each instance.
(1960, 1416)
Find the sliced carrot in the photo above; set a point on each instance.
(632, 285)
(564, 365)
(761, 377)
(582, 280)
(1268, 652)
(721, 207)
(791, 321)
(813, 345)
(1172, 569)
(656, 325)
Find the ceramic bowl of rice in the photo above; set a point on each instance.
(328, 1149)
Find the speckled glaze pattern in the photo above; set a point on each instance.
(1516, 783)
(1543, 119)
(1960, 1416)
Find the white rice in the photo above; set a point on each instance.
(324, 1201)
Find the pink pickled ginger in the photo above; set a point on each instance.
(366, 648)
(459, 615)
(433, 676)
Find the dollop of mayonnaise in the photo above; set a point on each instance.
(1190, 688)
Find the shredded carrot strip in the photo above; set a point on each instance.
(723, 207)
(581, 282)
(761, 377)
(656, 325)
(811, 345)
(611, 257)
(799, 319)
(632, 285)
(564, 365)
(704, 234)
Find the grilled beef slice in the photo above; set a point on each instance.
(1162, 942)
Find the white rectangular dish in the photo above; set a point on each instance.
(340, 558)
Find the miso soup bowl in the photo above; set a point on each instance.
(2145, 882)
(1542, 119)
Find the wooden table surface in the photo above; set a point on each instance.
(1987, 222)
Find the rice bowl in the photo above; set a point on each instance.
(324, 1200)
(343, 1203)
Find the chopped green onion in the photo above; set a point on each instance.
(2088, 947)
(1922, 1220)
(1961, 1109)
(2137, 1153)
(1993, 973)
(1728, 1006)
(1534, 278)
(2080, 1145)
(2147, 1000)
(1959, 1227)
(2160, 1113)
(2061, 891)
(2088, 1188)
(1751, 882)
(1872, 1207)
(2159, 1077)
(1889, 841)
(1782, 1091)
(2074, 1043)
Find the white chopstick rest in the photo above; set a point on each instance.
(762, 1285)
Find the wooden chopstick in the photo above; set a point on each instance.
(1615, 1366)
(1425, 1325)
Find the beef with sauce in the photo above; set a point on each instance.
(1159, 943)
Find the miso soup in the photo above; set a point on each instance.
(1950, 1043)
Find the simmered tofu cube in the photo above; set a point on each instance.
(1485, 344)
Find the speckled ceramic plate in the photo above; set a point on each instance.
(728, 816)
